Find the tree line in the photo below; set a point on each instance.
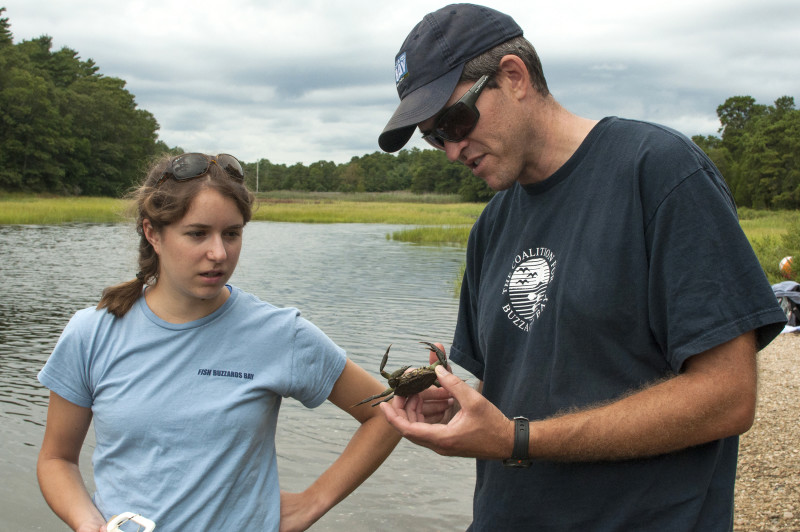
(758, 151)
(67, 129)
(64, 127)
(415, 170)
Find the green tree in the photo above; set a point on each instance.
(758, 152)
(376, 167)
(31, 132)
(6, 37)
(772, 156)
(63, 126)
(322, 176)
(112, 137)
(351, 176)
(474, 189)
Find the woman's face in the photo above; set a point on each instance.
(198, 253)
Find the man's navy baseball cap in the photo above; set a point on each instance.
(429, 64)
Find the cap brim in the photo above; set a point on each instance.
(418, 106)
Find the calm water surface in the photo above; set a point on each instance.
(363, 290)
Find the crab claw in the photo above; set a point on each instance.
(439, 353)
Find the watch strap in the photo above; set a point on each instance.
(519, 455)
(520, 439)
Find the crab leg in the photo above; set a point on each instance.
(384, 393)
(439, 354)
(383, 401)
(383, 362)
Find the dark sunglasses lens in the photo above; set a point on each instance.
(456, 123)
(189, 166)
(434, 140)
(230, 164)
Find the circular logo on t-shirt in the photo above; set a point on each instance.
(526, 286)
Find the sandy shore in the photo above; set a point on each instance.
(768, 479)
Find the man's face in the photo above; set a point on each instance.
(488, 150)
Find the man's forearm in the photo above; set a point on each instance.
(713, 398)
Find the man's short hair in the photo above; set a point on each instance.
(488, 62)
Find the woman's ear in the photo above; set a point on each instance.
(152, 236)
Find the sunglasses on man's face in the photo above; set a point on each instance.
(192, 165)
(457, 121)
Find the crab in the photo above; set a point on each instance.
(406, 384)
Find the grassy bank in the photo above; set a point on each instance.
(35, 210)
(350, 211)
(389, 208)
(440, 219)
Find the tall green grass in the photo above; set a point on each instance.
(340, 211)
(773, 235)
(758, 223)
(17, 209)
(399, 196)
(439, 219)
(454, 235)
(330, 208)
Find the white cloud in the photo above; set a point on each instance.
(312, 79)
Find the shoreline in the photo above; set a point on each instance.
(767, 493)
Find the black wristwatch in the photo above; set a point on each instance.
(519, 456)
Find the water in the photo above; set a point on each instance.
(363, 290)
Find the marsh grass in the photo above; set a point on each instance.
(438, 219)
(757, 223)
(18, 209)
(341, 211)
(454, 235)
(399, 196)
(395, 208)
(774, 235)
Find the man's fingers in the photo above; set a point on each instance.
(450, 382)
(399, 402)
(395, 417)
(419, 433)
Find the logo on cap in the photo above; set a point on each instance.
(400, 68)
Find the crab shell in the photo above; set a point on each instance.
(414, 381)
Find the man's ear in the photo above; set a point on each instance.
(512, 70)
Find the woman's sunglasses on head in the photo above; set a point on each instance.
(458, 120)
(192, 165)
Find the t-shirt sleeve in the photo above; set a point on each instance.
(464, 350)
(65, 372)
(706, 284)
(317, 362)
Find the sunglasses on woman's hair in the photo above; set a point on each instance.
(458, 120)
(191, 165)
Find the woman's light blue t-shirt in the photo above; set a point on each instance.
(185, 414)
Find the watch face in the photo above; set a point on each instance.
(513, 462)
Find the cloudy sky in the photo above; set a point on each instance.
(310, 80)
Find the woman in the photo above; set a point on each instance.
(183, 375)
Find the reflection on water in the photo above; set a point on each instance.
(363, 290)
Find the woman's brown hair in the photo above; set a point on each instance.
(164, 204)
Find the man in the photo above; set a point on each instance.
(610, 298)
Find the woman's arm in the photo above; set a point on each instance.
(368, 448)
(57, 469)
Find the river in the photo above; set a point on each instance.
(364, 290)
